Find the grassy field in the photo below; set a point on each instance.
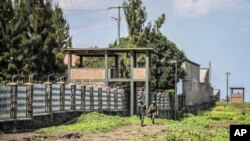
(207, 125)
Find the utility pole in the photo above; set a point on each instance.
(227, 74)
(118, 22)
(175, 88)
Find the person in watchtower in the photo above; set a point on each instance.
(153, 111)
(141, 111)
(122, 69)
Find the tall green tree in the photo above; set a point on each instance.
(6, 15)
(50, 33)
(32, 35)
(20, 40)
(61, 37)
(142, 34)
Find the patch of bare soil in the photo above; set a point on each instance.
(124, 133)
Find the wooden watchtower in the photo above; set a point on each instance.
(237, 94)
(112, 74)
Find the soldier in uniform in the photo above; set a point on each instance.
(153, 111)
(141, 111)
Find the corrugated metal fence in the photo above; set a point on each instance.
(63, 98)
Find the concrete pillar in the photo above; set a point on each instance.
(62, 95)
(29, 100)
(48, 97)
(132, 84)
(106, 67)
(100, 99)
(13, 100)
(92, 98)
(83, 94)
(148, 95)
(81, 61)
(123, 102)
(73, 96)
(116, 62)
(69, 67)
(108, 98)
(115, 99)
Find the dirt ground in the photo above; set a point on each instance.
(124, 133)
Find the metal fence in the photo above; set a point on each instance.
(48, 98)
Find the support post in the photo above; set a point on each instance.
(62, 95)
(13, 100)
(100, 99)
(83, 94)
(48, 97)
(108, 98)
(81, 61)
(69, 66)
(227, 74)
(106, 68)
(243, 95)
(116, 99)
(92, 98)
(29, 100)
(148, 96)
(132, 87)
(73, 96)
(132, 97)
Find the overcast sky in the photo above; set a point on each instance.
(207, 30)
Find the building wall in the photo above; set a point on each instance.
(192, 71)
(139, 73)
(78, 73)
(237, 98)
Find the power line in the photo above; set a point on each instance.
(93, 24)
(101, 20)
(85, 10)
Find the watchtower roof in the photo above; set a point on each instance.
(101, 51)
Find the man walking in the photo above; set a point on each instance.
(153, 111)
(141, 111)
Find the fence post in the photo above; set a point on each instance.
(29, 100)
(108, 98)
(73, 96)
(164, 102)
(91, 98)
(83, 94)
(123, 102)
(48, 97)
(159, 97)
(13, 100)
(116, 100)
(99, 99)
(62, 95)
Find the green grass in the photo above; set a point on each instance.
(94, 123)
(212, 125)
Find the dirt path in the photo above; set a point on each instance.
(124, 133)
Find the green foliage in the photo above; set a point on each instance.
(142, 34)
(32, 35)
(171, 91)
